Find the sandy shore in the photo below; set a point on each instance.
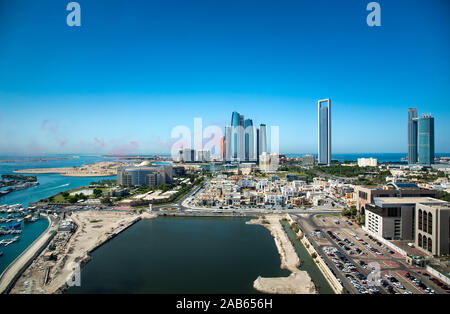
(98, 169)
(94, 228)
(299, 282)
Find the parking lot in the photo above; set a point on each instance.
(354, 256)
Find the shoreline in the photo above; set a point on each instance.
(6, 286)
(298, 282)
(94, 229)
(96, 169)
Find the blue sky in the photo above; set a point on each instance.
(136, 69)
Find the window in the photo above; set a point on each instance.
(430, 246)
(420, 219)
(425, 221)
(420, 240)
(430, 223)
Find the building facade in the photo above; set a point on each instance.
(426, 140)
(432, 228)
(412, 135)
(324, 113)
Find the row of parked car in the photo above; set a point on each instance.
(381, 245)
(419, 284)
(344, 245)
(350, 270)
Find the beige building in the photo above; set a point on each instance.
(393, 218)
(432, 228)
(366, 194)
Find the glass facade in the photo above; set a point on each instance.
(412, 135)
(325, 132)
(426, 140)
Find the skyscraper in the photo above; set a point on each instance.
(412, 135)
(249, 141)
(228, 144)
(324, 131)
(258, 149)
(426, 140)
(235, 134)
(262, 139)
(242, 141)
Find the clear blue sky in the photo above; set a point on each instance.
(136, 69)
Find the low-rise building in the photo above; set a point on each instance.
(432, 228)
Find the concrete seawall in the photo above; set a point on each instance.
(329, 276)
(14, 270)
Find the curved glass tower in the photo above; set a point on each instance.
(426, 140)
(249, 140)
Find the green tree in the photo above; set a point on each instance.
(97, 193)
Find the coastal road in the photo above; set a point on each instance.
(23, 259)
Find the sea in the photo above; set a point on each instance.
(49, 184)
(186, 232)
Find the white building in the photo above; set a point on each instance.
(268, 162)
(203, 155)
(367, 162)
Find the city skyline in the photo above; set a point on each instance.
(65, 90)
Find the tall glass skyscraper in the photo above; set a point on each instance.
(240, 141)
(324, 131)
(262, 139)
(249, 141)
(426, 140)
(235, 122)
(412, 135)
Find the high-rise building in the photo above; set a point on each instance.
(222, 148)
(262, 139)
(258, 149)
(236, 134)
(412, 135)
(249, 141)
(228, 143)
(426, 140)
(324, 131)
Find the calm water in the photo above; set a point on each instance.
(308, 263)
(183, 255)
(50, 184)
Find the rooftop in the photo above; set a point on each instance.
(384, 201)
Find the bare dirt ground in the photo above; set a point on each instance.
(299, 282)
(46, 275)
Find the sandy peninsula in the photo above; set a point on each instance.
(98, 169)
(299, 282)
(94, 228)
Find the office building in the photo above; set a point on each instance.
(203, 155)
(426, 140)
(433, 228)
(420, 138)
(262, 139)
(186, 155)
(249, 141)
(365, 194)
(244, 142)
(308, 160)
(394, 218)
(324, 112)
(412, 135)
